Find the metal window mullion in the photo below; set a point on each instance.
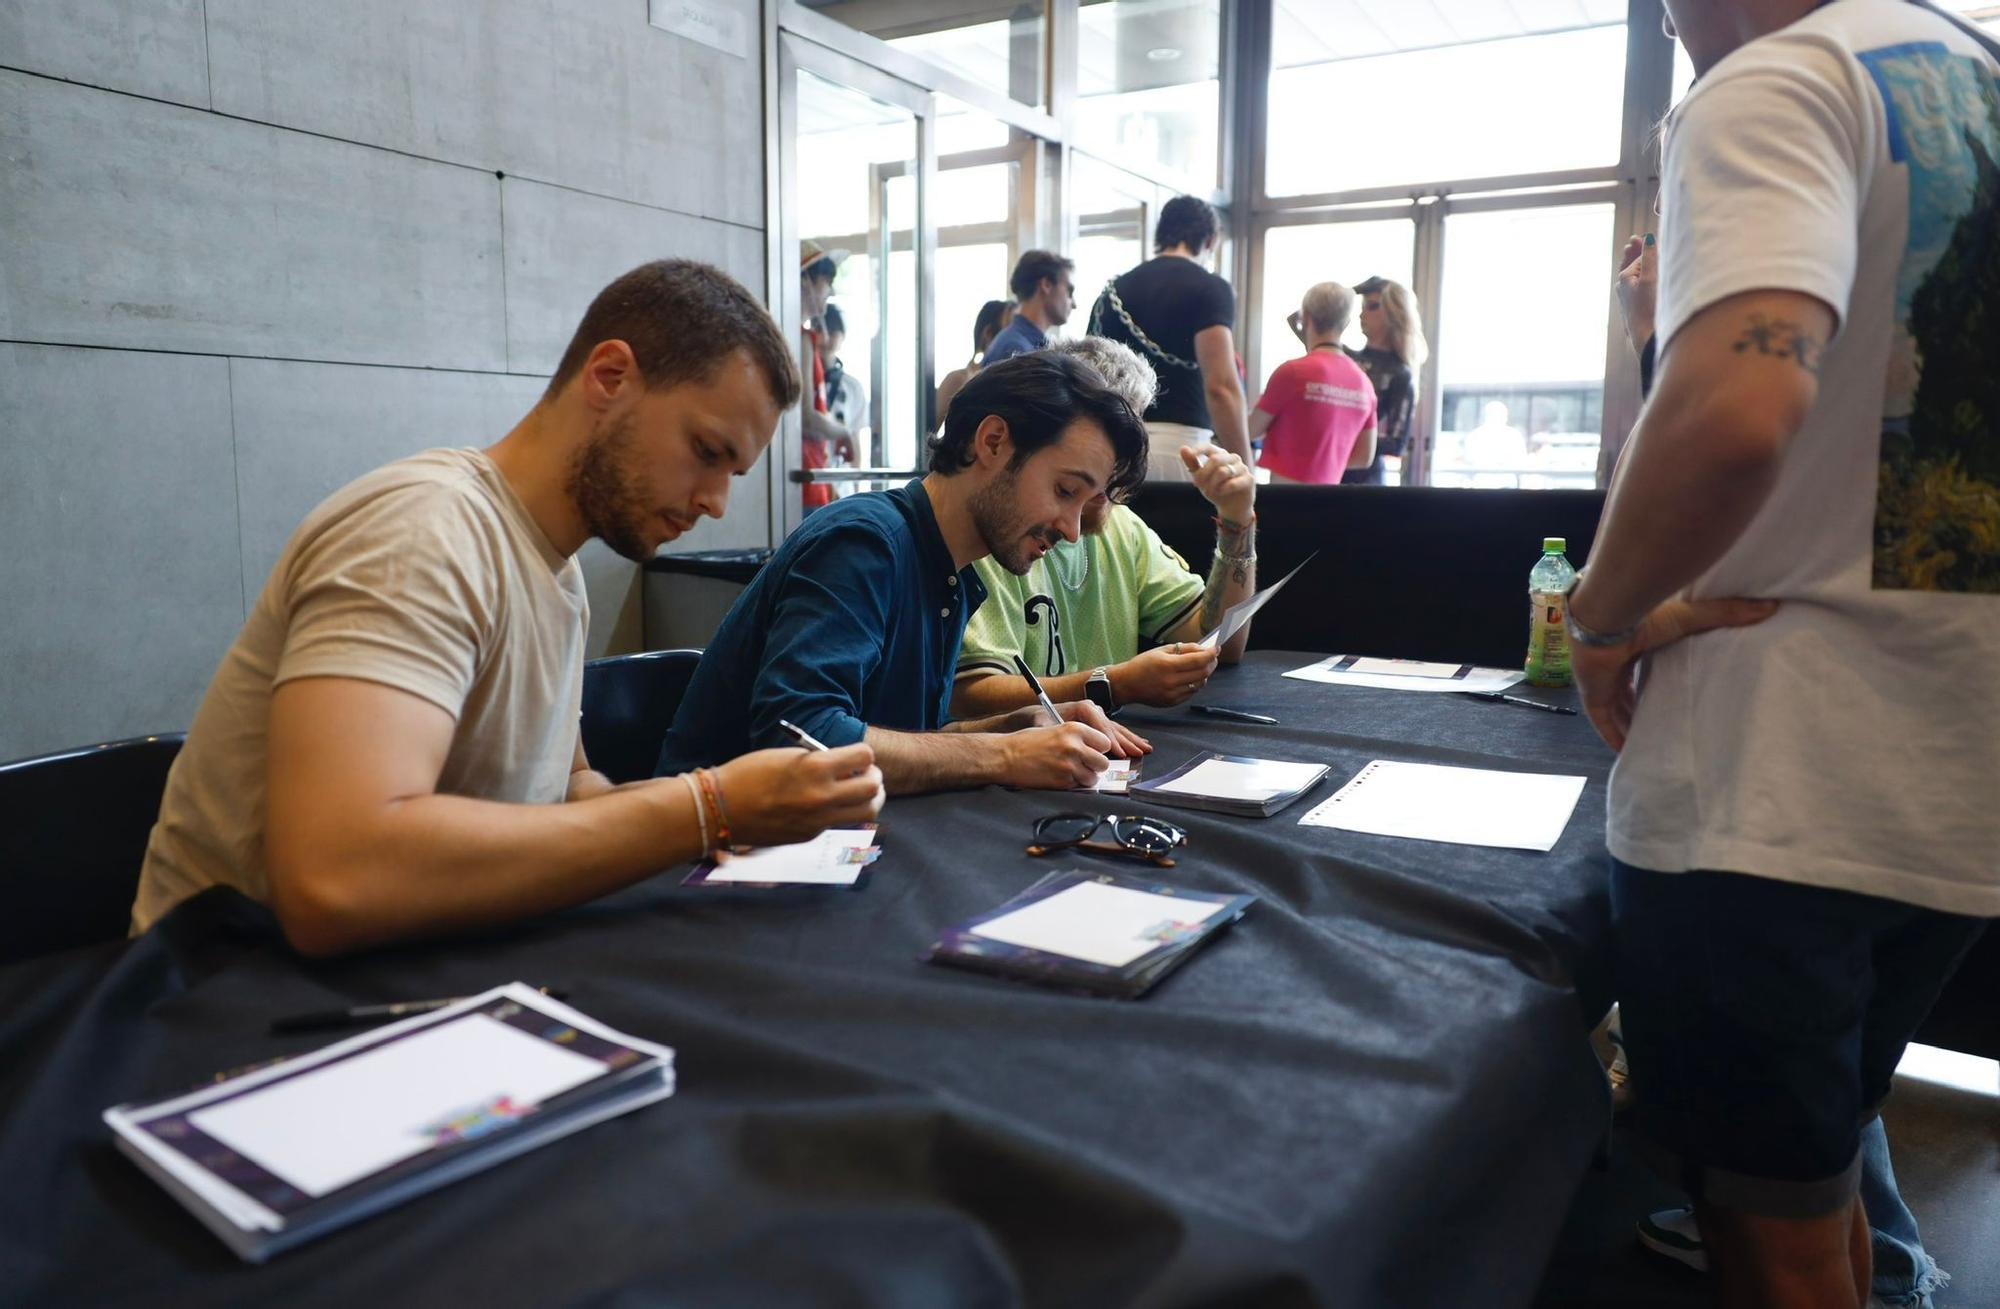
(879, 243)
(782, 217)
(926, 279)
(1445, 187)
(1428, 288)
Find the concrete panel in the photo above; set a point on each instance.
(118, 523)
(563, 246)
(157, 227)
(158, 48)
(305, 430)
(588, 95)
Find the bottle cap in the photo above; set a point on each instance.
(1553, 545)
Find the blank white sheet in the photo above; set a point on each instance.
(822, 861)
(1465, 806)
(331, 1126)
(1110, 925)
(1233, 781)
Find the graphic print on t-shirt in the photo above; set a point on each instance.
(1937, 503)
(1039, 609)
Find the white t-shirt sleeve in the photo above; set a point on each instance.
(1763, 184)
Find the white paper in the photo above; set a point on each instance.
(1117, 779)
(1403, 668)
(326, 1129)
(823, 861)
(1234, 617)
(1225, 780)
(1465, 806)
(1478, 679)
(1110, 925)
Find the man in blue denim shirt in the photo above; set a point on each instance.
(852, 631)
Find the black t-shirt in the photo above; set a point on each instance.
(1395, 395)
(1170, 299)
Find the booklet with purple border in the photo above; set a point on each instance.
(1099, 933)
(278, 1154)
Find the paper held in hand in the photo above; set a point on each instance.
(1465, 806)
(1234, 617)
(1405, 674)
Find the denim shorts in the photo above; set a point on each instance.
(1763, 1021)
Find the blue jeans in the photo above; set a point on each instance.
(1904, 1273)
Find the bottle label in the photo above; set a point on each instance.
(1548, 640)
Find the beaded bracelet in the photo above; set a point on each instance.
(708, 788)
(700, 810)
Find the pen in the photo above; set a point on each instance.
(802, 736)
(1523, 701)
(363, 1015)
(1240, 715)
(1021, 665)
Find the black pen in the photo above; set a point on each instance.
(1224, 711)
(1523, 701)
(1035, 685)
(366, 1015)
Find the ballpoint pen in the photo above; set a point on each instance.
(363, 1015)
(1021, 665)
(802, 736)
(1224, 711)
(1523, 701)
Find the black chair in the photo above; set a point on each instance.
(73, 840)
(629, 701)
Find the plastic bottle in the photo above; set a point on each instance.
(1548, 640)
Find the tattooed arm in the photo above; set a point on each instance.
(1734, 386)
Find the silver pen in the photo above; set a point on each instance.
(1021, 665)
(802, 736)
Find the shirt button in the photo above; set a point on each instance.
(945, 612)
(951, 580)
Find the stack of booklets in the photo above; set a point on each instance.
(282, 1153)
(1232, 784)
(1092, 932)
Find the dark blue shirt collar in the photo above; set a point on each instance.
(942, 581)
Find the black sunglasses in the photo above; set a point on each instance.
(1135, 835)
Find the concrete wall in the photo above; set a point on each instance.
(250, 249)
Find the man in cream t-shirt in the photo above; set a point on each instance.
(1802, 815)
(390, 748)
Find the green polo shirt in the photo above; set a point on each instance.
(1099, 601)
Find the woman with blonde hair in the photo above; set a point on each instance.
(1395, 351)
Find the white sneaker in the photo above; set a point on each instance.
(1672, 1232)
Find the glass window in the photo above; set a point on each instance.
(857, 202)
(1525, 309)
(1297, 257)
(1148, 88)
(1411, 97)
(998, 46)
(1111, 207)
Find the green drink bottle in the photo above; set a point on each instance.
(1548, 639)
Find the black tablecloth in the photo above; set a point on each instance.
(1374, 1089)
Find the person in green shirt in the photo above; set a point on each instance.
(1114, 615)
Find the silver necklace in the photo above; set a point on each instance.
(1056, 553)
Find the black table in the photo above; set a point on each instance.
(1374, 1089)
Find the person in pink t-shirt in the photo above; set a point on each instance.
(1317, 415)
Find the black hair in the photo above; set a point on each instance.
(1032, 268)
(833, 321)
(1186, 220)
(1039, 395)
(682, 320)
(988, 321)
(821, 269)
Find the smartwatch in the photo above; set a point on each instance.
(1097, 689)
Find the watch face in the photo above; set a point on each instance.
(1098, 689)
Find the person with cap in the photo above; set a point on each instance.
(1044, 295)
(1319, 410)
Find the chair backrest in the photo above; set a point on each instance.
(629, 701)
(1410, 572)
(73, 839)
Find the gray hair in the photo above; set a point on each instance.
(1123, 371)
(1328, 306)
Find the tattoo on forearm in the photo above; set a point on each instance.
(1211, 599)
(1782, 339)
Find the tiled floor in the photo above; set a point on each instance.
(1945, 1142)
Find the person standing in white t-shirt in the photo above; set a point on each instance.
(390, 748)
(1801, 819)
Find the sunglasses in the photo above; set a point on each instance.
(1132, 835)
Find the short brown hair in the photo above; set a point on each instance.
(682, 319)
